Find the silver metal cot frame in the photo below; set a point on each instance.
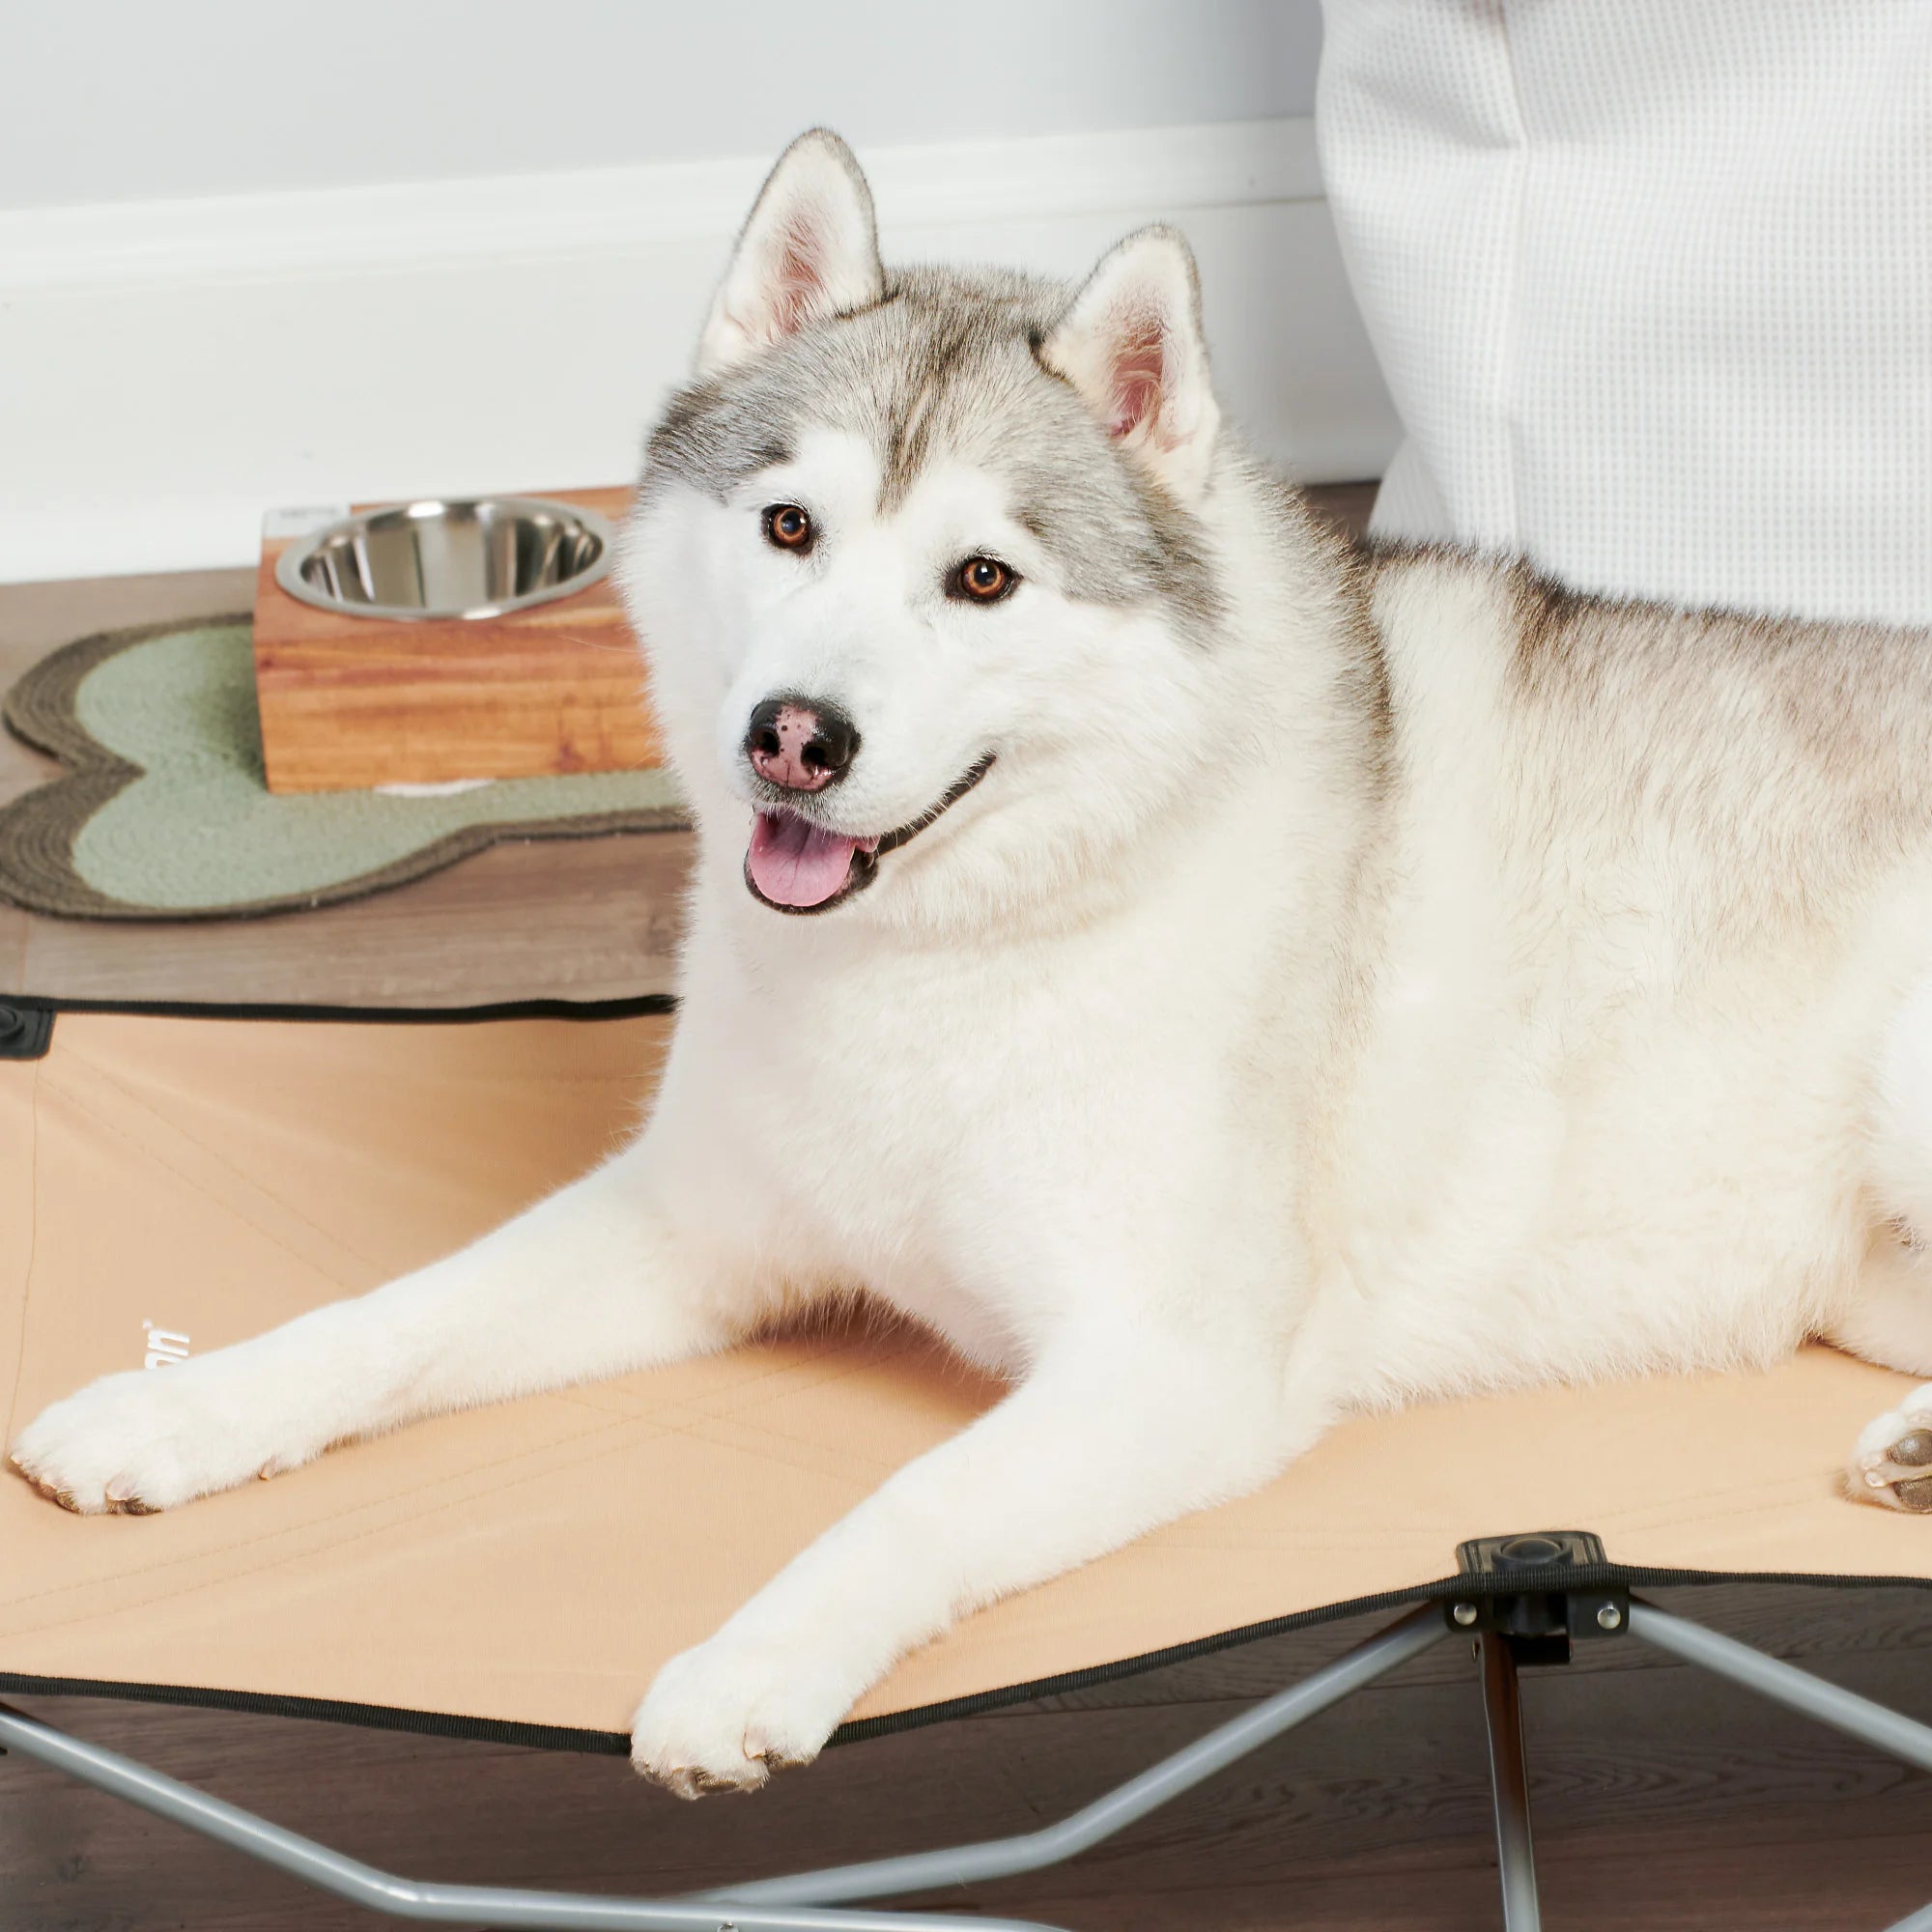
(831, 1900)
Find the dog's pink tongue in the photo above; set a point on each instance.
(795, 863)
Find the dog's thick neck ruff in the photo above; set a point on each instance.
(795, 865)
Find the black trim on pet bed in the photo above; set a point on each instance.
(26, 1019)
(617, 1743)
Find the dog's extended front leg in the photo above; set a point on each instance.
(1101, 1443)
(597, 1279)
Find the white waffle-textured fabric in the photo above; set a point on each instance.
(1650, 282)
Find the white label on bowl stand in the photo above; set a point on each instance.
(302, 521)
(431, 787)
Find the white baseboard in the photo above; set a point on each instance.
(169, 370)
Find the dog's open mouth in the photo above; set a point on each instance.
(793, 864)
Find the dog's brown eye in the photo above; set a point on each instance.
(788, 527)
(983, 580)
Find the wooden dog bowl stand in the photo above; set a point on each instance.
(350, 702)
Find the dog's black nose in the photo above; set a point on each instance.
(803, 744)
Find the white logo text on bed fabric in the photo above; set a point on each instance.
(165, 1347)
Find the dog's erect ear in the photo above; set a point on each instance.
(809, 251)
(1132, 344)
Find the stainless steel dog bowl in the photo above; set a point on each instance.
(476, 556)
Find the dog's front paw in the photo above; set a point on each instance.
(149, 1439)
(727, 1715)
(1892, 1461)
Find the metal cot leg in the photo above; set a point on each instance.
(1796, 1689)
(804, 1902)
(1784, 1683)
(1509, 1784)
(467, 1904)
(1115, 1809)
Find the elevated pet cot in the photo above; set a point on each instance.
(171, 1180)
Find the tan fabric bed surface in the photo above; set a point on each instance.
(534, 1564)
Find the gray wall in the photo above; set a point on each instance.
(105, 100)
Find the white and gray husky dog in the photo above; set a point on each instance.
(1217, 979)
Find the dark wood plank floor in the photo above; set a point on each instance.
(1664, 1800)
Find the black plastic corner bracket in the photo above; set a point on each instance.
(1541, 1589)
(25, 1031)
